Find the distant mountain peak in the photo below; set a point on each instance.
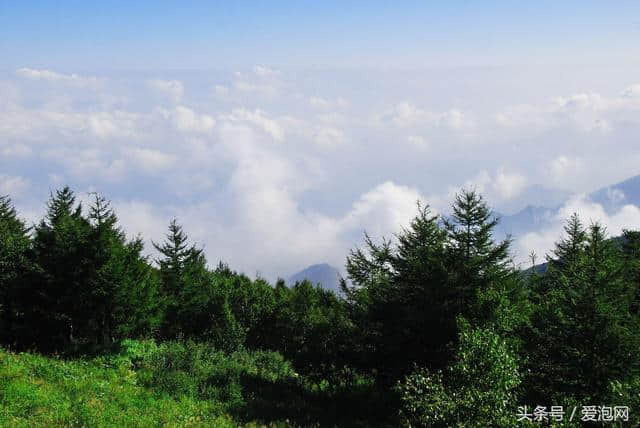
(321, 273)
(534, 217)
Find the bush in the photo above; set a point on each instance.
(479, 389)
(197, 370)
(626, 394)
(137, 350)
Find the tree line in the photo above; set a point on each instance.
(439, 318)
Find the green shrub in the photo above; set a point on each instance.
(479, 389)
(197, 370)
(137, 350)
(627, 394)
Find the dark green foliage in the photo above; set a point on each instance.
(197, 370)
(400, 298)
(185, 285)
(200, 303)
(631, 261)
(62, 249)
(406, 297)
(479, 389)
(15, 268)
(90, 286)
(483, 282)
(124, 296)
(433, 328)
(309, 326)
(584, 333)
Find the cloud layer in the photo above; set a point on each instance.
(273, 170)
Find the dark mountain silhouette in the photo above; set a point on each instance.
(324, 274)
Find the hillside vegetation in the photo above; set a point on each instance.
(435, 327)
(41, 391)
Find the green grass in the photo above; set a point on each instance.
(178, 385)
(39, 391)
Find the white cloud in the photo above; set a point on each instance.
(407, 115)
(500, 186)
(221, 90)
(263, 71)
(632, 91)
(16, 150)
(276, 172)
(149, 159)
(174, 89)
(418, 141)
(383, 211)
(542, 242)
(509, 185)
(328, 104)
(112, 124)
(52, 76)
(259, 88)
(328, 136)
(88, 161)
(566, 169)
(143, 219)
(12, 185)
(187, 120)
(43, 124)
(258, 118)
(584, 112)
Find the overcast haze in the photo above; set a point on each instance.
(278, 134)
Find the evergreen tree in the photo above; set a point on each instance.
(406, 297)
(398, 299)
(479, 268)
(583, 334)
(15, 268)
(62, 249)
(631, 255)
(124, 291)
(92, 287)
(195, 307)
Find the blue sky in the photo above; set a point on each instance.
(128, 35)
(278, 132)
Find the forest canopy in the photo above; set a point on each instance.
(436, 326)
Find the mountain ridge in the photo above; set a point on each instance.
(323, 274)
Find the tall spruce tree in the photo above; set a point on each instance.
(407, 297)
(62, 248)
(92, 287)
(398, 299)
(15, 268)
(583, 334)
(476, 263)
(631, 254)
(187, 287)
(124, 296)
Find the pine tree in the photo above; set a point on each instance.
(186, 286)
(62, 247)
(92, 287)
(123, 290)
(423, 325)
(15, 268)
(631, 254)
(570, 249)
(476, 263)
(398, 299)
(583, 334)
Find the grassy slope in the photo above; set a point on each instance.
(40, 391)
